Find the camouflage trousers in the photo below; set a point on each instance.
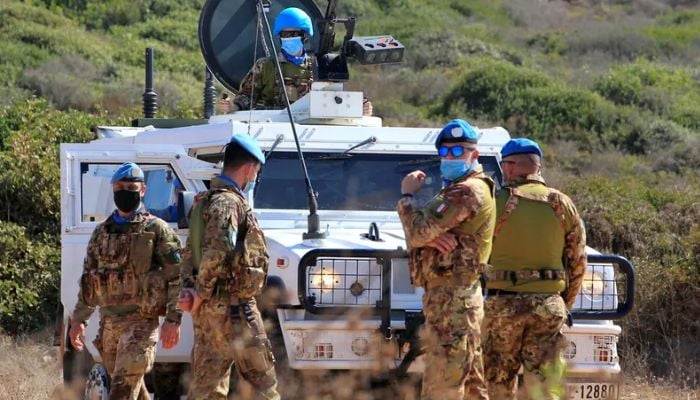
(453, 363)
(218, 345)
(523, 330)
(127, 344)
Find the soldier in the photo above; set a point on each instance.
(449, 242)
(224, 266)
(260, 87)
(538, 262)
(132, 272)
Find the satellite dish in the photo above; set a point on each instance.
(227, 30)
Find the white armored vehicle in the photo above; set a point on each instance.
(343, 285)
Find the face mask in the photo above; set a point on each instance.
(453, 169)
(127, 200)
(249, 187)
(293, 46)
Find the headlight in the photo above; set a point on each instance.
(593, 285)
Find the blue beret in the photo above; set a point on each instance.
(127, 172)
(521, 146)
(250, 145)
(455, 131)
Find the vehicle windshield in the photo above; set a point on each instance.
(365, 182)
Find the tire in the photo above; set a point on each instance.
(97, 383)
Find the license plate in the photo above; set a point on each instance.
(592, 391)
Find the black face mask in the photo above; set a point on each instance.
(127, 200)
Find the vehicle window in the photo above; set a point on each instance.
(162, 186)
(369, 182)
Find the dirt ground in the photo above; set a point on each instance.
(30, 370)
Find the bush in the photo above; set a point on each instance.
(29, 280)
(669, 92)
(615, 41)
(64, 82)
(653, 220)
(30, 132)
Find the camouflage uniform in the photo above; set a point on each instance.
(228, 255)
(453, 303)
(261, 87)
(131, 272)
(525, 327)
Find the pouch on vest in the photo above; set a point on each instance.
(114, 288)
(99, 287)
(86, 289)
(250, 260)
(154, 294)
(142, 251)
(130, 285)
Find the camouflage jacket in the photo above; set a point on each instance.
(112, 250)
(465, 208)
(261, 87)
(226, 253)
(574, 251)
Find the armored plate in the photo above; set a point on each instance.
(227, 33)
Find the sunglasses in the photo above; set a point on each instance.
(290, 34)
(457, 151)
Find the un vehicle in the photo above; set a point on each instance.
(338, 266)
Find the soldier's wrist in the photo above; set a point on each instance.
(407, 195)
(174, 318)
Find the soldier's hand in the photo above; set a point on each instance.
(413, 182)
(367, 109)
(196, 303)
(169, 334)
(185, 300)
(227, 106)
(445, 243)
(77, 333)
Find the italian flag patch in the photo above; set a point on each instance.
(442, 209)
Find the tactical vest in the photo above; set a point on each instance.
(125, 278)
(474, 237)
(248, 265)
(297, 80)
(528, 241)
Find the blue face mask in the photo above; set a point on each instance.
(453, 169)
(293, 46)
(249, 187)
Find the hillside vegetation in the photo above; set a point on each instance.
(610, 87)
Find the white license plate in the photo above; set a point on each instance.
(592, 391)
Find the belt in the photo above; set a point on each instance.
(499, 292)
(527, 275)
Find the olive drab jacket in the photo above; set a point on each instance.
(226, 254)
(539, 241)
(261, 87)
(465, 208)
(131, 268)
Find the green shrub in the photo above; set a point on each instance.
(29, 280)
(30, 133)
(666, 91)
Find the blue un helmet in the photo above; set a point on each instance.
(293, 18)
(250, 145)
(457, 130)
(129, 172)
(521, 146)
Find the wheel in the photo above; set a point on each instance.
(97, 384)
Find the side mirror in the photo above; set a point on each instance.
(185, 200)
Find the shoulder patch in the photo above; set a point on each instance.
(441, 209)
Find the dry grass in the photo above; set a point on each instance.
(29, 370)
(634, 389)
(29, 367)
